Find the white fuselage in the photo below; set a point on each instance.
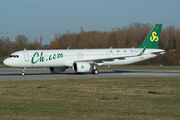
(61, 58)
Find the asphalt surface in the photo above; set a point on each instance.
(45, 74)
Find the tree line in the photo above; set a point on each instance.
(126, 37)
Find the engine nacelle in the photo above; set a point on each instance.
(80, 67)
(57, 69)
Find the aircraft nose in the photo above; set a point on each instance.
(7, 62)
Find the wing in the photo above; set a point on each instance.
(101, 60)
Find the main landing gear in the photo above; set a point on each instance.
(94, 70)
(23, 72)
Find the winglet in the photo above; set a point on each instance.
(68, 47)
(142, 52)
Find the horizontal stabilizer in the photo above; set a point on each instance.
(161, 52)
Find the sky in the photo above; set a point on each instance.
(36, 18)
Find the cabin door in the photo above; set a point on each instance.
(108, 55)
(26, 56)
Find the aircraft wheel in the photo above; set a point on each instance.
(23, 74)
(96, 71)
(92, 71)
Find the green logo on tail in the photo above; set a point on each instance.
(154, 37)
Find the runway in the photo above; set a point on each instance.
(45, 74)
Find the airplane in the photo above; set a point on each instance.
(86, 60)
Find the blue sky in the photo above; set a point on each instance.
(35, 18)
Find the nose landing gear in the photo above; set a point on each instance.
(23, 72)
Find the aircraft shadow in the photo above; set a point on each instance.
(67, 73)
(88, 73)
(19, 74)
(120, 71)
(140, 72)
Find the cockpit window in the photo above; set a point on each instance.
(14, 56)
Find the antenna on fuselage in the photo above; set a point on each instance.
(111, 50)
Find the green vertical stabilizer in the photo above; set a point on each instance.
(152, 40)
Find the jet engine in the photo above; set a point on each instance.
(57, 69)
(80, 67)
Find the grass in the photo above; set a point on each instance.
(117, 98)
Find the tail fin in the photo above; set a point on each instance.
(152, 40)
